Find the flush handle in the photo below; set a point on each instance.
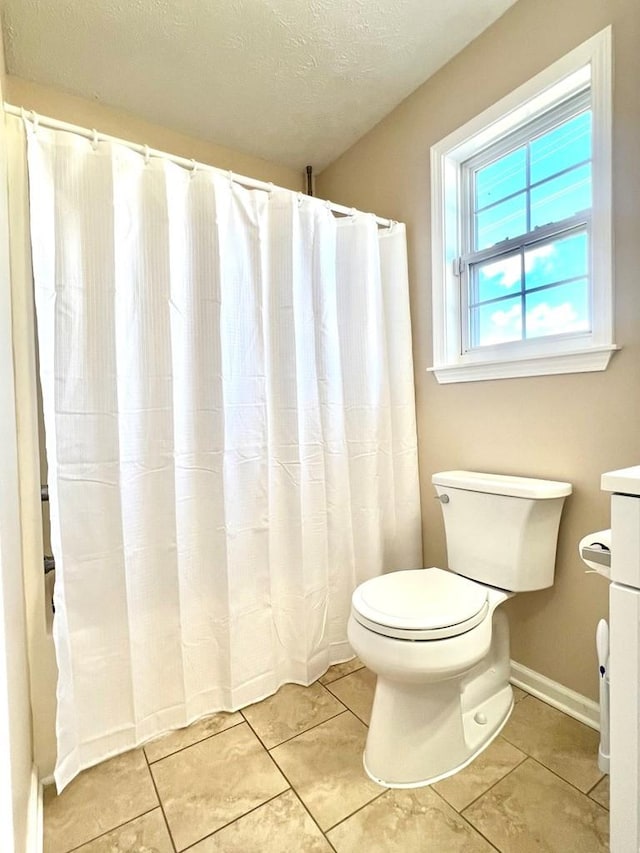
(444, 499)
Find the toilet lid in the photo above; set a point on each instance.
(420, 604)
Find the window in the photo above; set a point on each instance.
(522, 280)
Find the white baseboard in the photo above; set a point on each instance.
(34, 819)
(574, 704)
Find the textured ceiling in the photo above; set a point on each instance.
(293, 81)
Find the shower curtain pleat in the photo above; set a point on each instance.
(229, 409)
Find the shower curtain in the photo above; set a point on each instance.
(229, 409)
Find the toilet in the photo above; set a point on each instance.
(438, 640)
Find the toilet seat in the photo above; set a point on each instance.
(420, 604)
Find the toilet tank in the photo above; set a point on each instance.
(501, 530)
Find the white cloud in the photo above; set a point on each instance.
(545, 320)
(508, 269)
(503, 319)
(504, 326)
(532, 256)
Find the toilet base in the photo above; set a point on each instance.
(448, 757)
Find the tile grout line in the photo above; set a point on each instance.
(359, 809)
(195, 742)
(323, 833)
(593, 787)
(330, 692)
(364, 805)
(513, 769)
(555, 772)
(540, 761)
(284, 775)
(155, 787)
(355, 713)
(566, 781)
(490, 788)
(107, 831)
(340, 677)
(303, 732)
(471, 826)
(235, 820)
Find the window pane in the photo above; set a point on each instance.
(561, 148)
(495, 278)
(496, 323)
(561, 197)
(558, 310)
(507, 219)
(557, 260)
(506, 176)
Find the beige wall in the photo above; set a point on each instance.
(563, 427)
(85, 113)
(15, 709)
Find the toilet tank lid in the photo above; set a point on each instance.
(501, 484)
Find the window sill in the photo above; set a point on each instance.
(578, 361)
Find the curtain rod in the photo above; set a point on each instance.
(252, 183)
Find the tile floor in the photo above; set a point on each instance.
(285, 776)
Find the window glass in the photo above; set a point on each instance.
(501, 221)
(556, 260)
(562, 197)
(558, 310)
(497, 278)
(504, 177)
(497, 322)
(561, 148)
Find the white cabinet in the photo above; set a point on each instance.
(624, 658)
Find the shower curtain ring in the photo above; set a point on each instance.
(94, 139)
(147, 155)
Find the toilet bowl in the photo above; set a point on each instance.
(438, 640)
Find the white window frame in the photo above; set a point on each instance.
(587, 66)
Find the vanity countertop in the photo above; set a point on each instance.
(626, 481)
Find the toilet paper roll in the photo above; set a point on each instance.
(599, 538)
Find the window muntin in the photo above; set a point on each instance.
(527, 215)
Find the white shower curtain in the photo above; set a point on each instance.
(229, 409)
